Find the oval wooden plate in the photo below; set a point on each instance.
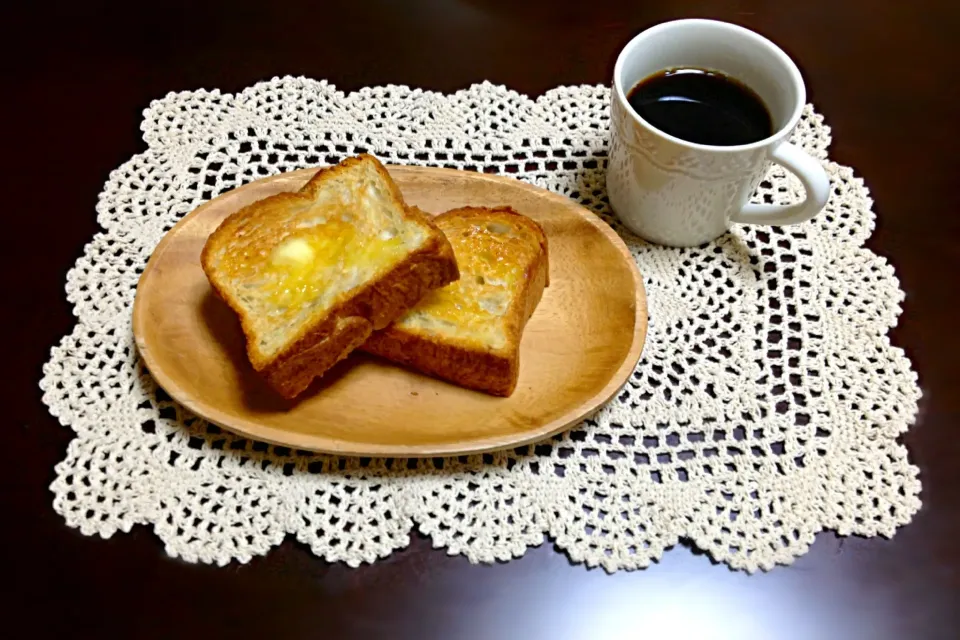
(578, 349)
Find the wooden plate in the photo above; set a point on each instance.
(578, 349)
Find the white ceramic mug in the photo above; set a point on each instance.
(680, 193)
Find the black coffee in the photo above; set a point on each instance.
(702, 106)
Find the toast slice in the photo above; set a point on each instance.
(469, 332)
(312, 274)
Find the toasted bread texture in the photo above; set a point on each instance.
(312, 274)
(469, 332)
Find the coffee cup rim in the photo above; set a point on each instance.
(776, 51)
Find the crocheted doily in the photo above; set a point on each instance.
(766, 407)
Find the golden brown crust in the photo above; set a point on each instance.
(295, 374)
(495, 371)
(369, 307)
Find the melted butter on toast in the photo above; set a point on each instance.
(317, 253)
(493, 258)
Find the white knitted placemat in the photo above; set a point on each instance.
(766, 406)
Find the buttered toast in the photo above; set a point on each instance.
(468, 332)
(312, 274)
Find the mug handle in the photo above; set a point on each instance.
(815, 183)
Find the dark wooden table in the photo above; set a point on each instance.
(78, 74)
